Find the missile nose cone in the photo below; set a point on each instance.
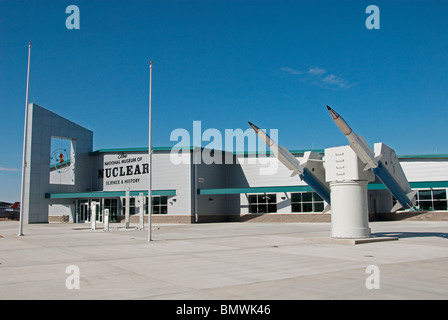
(333, 113)
(253, 126)
(342, 125)
(262, 135)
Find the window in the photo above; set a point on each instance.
(431, 199)
(262, 203)
(112, 205)
(439, 199)
(306, 202)
(131, 206)
(159, 204)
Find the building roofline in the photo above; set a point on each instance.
(245, 153)
(93, 153)
(422, 156)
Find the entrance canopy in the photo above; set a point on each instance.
(108, 194)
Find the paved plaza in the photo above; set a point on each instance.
(232, 261)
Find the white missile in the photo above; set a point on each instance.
(357, 143)
(291, 162)
(280, 152)
(396, 181)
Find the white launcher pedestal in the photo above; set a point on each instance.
(349, 209)
(348, 185)
(348, 193)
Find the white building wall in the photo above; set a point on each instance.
(119, 171)
(42, 126)
(425, 170)
(59, 209)
(267, 172)
(167, 176)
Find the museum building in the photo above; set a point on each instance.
(63, 176)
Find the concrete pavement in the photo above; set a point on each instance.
(261, 261)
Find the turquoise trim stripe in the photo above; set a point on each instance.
(139, 149)
(255, 190)
(422, 156)
(372, 186)
(376, 186)
(247, 153)
(414, 185)
(429, 184)
(108, 194)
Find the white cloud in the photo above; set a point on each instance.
(9, 169)
(319, 77)
(316, 71)
(332, 79)
(291, 71)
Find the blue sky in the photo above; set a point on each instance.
(274, 63)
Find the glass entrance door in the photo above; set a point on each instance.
(83, 211)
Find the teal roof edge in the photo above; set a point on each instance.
(372, 186)
(293, 151)
(108, 194)
(139, 149)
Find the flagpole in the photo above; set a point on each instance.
(25, 131)
(150, 155)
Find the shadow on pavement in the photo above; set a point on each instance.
(412, 234)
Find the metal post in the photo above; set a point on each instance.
(196, 160)
(93, 215)
(106, 220)
(127, 209)
(76, 211)
(25, 132)
(141, 207)
(150, 155)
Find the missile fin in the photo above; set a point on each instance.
(369, 166)
(295, 172)
(411, 196)
(396, 207)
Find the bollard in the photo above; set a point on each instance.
(106, 220)
(141, 200)
(93, 215)
(127, 209)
